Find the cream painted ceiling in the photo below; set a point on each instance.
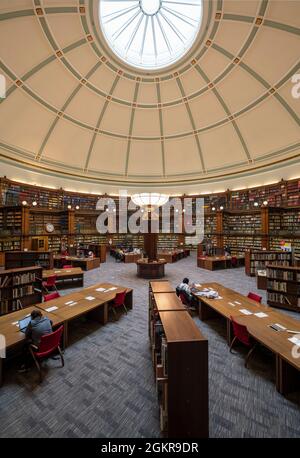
(73, 108)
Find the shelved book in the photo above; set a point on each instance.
(257, 260)
(20, 288)
(283, 286)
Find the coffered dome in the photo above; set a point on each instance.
(74, 108)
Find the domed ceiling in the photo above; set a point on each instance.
(73, 107)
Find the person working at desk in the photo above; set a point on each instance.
(227, 250)
(38, 326)
(185, 289)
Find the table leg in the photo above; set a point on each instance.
(1, 371)
(287, 377)
(128, 300)
(205, 312)
(229, 331)
(65, 335)
(100, 314)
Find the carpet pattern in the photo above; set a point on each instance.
(106, 388)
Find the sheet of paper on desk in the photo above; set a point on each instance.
(112, 288)
(260, 314)
(100, 289)
(237, 302)
(294, 340)
(69, 302)
(219, 297)
(51, 309)
(73, 303)
(15, 323)
(231, 303)
(246, 312)
(90, 298)
(197, 285)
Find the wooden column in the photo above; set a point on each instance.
(25, 241)
(265, 227)
(219, 227)
(71, 227)
(150, 246)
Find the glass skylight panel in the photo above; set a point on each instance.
(150, 34)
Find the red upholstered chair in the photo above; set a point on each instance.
(183, 299)
(67, 266)
(49, 297)
(50, 283)
(255, 297)
(242, 335)
(119, 301)
(49, 345)
(234, 261)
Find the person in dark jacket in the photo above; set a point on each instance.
(38, 326)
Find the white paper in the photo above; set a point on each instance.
(90, 298)
(294, 340)
(230, 303)
(69, 302)
(112, 288)
(68, 271)
(237, 302)
(246, 312)
(280, 326)
(219, 297)
(100, 289)
(260, 314)
(197, 285)
(73, 303)
(15, 323)
(51, 309)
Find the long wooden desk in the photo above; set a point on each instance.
(231, 304)
(63, 310)
(14, 338)
(84, 263)
(89, 301)
(66, 277)
(218, 262)
(131, 257)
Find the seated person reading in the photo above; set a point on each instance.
(185, 289)
(38, 326)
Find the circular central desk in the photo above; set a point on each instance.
(152, 269)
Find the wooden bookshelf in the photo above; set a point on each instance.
(180, 362)
(16, 259)
(283, 286)
(20, 288)
(258, 259)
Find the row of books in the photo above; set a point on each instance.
(279, 256)
(6, 306)
(23, 291)
(284, 300)
(24, 278)
(280, 274)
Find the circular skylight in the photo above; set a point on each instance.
(150, 34)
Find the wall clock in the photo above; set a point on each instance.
(49, 227)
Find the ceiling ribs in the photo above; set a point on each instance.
(227, 111)
(161, 127)
(104, 108)
(136, 91)
(188, 109)
(62, 110)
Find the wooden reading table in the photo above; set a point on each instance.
(66, 277)
(219, 262)
(258, 324)
(14, 338)
(84, 263)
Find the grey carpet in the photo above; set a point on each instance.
(107, 387)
